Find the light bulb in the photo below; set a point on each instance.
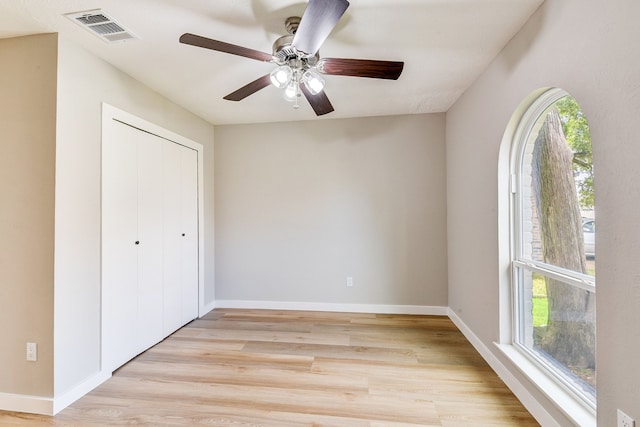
(291, 91)
(313, 81)
(281, 76)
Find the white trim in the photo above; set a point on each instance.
(47, 405)
(26, 403)
(79, 391)
(567, 402)
(572, 278)
(526, 398)
(337, 307)
(207, 308)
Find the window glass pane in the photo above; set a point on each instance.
(558, 326)
(556, 184)
(554, 202)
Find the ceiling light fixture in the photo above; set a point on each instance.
(297, 58)
(295, 68)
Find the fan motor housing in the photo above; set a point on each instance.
(282, 49)
(284, 52)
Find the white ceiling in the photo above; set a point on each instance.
(445, 45)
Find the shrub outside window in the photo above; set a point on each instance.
(553, 267)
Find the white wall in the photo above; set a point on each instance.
(84, 82)
(588, 48)
(300, 206)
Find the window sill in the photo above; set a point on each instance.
(575, 409)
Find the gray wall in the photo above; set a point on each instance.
(589, 49)
(27, 171)
(300, 206)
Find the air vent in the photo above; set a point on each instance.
(101, 24)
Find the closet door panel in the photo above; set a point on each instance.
(189, 220)
(150, 224)
(119, 251)
(172, 237)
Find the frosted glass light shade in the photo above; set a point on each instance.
(313, 81)
(281, 76)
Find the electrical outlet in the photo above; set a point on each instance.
(625, 420)
(32, 351)
(349, 281)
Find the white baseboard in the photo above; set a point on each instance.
(346, 308)
(48, 405)
(26, 403)
(531, 403)
(206, 308)
(78, 391)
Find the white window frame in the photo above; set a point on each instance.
(531, 363)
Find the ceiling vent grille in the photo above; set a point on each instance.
(100, 24)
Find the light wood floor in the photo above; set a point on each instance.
(288, 368)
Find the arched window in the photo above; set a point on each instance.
(553, 251)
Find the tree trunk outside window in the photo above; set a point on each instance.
(570, 334)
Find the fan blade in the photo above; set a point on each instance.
(361, 68)
(200, 41)
(318, 20)
(249, 89)
(320, 103)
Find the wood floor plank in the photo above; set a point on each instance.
(294, 368)
(335, 351)
(484, 415)
(408, 321)
(246, 375)
(346, 403)
(168, 356)
(266, 335)
(234, 324)
(186, 414)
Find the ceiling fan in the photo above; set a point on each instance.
(299, 66)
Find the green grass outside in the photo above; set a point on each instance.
(540, 311)
(540, 302)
